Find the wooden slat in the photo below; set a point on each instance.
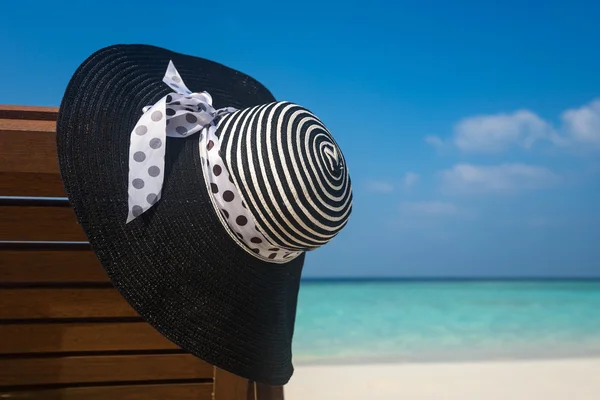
(28, 146)
(28, 160)
(178, 391)
(10, 111)
(32, 223)
(81, 337)
(229, 386)
(251, 391)
(50, 266)
(93, 369)
(27, 126)
(267, 392)
(63, 303)
(31, 184)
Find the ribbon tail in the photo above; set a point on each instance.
(174, 80)
(147, 160)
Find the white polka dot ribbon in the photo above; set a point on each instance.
(179, 115)
(176, 115)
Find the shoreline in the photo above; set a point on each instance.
(526, 379)
(568, 353)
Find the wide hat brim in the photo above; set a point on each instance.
(176, 264)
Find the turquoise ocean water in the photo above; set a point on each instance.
(374, 321)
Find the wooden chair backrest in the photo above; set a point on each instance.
(65, 332)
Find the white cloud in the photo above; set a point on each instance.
(582, 125)
(380, 187)
(435, 141)
(498, 179)
(429, 208)
(494, 133)
(579, 128)
(410, 179)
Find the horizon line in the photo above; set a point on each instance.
(452, 278)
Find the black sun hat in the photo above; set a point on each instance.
(200, 195)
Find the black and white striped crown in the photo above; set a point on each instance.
(276, 177)
(290, 172)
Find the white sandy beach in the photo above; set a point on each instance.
(572, 379)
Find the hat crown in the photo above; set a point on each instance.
(290, 172)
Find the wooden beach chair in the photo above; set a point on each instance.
(65, 332)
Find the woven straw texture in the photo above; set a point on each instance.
(176, 265)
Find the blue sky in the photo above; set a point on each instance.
(472, 129)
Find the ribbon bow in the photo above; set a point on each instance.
(177, 115)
